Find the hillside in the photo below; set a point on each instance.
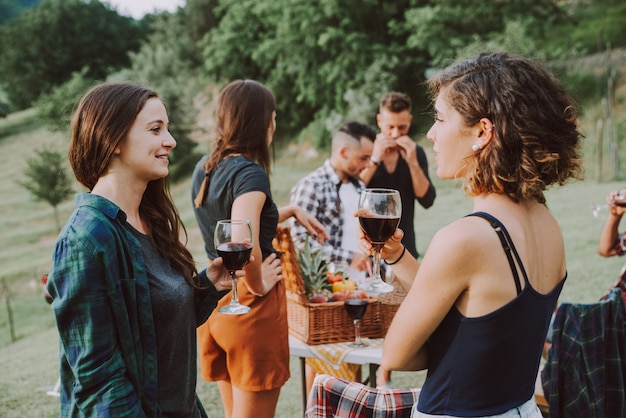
(27, 230)
(27, 235)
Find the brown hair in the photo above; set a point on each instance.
(395, 102)
(100, 125)
(535, 141)
(244, 114)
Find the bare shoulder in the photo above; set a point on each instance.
(462, 242)
(462, 232)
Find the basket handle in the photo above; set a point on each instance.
(292, 275)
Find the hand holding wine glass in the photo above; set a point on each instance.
(616, 198)
(220, 276)
(233, 242)
(355, 306)
(379, 215)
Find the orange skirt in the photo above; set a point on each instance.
(251, 351)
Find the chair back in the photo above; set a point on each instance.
(585, 370)
(334, 397)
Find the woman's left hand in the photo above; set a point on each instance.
(272, 270)
(219, 276)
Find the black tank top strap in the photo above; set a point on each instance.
(507, 245)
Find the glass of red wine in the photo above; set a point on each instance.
(356, 307)
(379, 215)
(233, 242)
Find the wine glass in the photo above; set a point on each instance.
(356, 307)
(233, 242)
(595, 209)
(618, 200)
(379, 215)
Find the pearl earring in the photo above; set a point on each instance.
(475, 147)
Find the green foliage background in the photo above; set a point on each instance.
(45, 44)
(48, 180)
(326, 61)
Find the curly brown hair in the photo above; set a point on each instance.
(101, 124)
(535, 141)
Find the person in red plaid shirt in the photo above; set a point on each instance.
(612, 242)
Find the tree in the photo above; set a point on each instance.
(466, 22)
(332, 59)
(200, 17)
(5, 108)
(11, 8)
(55, 108)
(47, 179)
(322, 60)
(165, 63)
(45, 44)
(8, 10)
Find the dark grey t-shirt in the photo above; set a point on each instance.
(173, 309)
(233, 177)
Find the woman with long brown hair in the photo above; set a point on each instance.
(248, 355)
(126, 294)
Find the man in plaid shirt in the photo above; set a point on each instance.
(331, 194)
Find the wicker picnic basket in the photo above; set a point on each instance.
(389, 304)
(318, 323)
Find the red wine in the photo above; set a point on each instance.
(377, 228)
(235, 254)
(356, 307)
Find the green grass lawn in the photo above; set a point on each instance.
(29, 366)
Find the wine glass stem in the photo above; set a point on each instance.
(234, 300)
(357, 332)
(597, 208)
(377, 264)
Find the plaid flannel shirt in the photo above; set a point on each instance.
(586, 365)
(334, 397)
(620, 244)
(101, 301)
(620, 249)
(318, 194)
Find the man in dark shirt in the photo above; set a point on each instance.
(399, 163)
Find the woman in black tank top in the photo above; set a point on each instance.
(479, 303)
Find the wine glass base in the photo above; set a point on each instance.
(357, 345)
(376, 287)
(234, 309)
